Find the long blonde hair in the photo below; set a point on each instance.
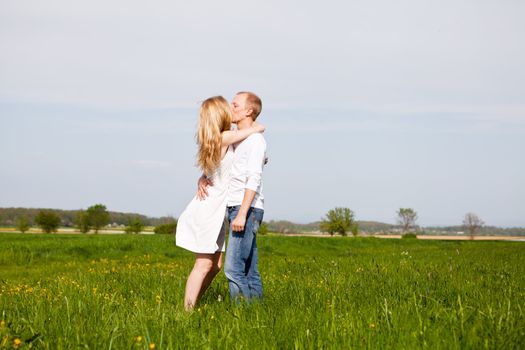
(215, 117)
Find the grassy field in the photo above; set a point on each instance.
(125, 292)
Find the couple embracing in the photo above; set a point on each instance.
(232, 162)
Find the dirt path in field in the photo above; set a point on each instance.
(439, 237)
(462, 237)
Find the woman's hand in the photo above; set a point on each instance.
(258, 127)
(202, 184)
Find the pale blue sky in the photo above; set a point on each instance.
(369, 105)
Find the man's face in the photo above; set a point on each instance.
(239, 110)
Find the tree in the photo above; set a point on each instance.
(472, 224)
(338, 220)
(48, 221)
(98, 216)
(135, 226)
(406, 217)
(82, 221)
(23, 224)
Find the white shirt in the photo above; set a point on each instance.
(247, 168)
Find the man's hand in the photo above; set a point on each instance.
(202, 191)
(238, 223)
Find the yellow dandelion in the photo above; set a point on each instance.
(138, 338)
(372, 325)
(212, 317)
(157, 299)
(2, 323)
(16, 343)
(151, 346)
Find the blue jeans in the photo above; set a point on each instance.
(240, 267)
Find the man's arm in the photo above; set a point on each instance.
(240, 220)
(253, 181)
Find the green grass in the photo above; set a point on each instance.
(104, 291)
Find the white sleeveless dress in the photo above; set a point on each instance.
(200, 227)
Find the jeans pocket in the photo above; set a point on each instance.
(255, 225)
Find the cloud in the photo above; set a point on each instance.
(463, 119)
(170, 54)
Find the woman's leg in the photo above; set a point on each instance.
(203, 265)
(216, 267)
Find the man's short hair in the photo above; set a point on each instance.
(254, 102)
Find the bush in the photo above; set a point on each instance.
(82, 221)
(135, 226)
(166, 229)
(23, 224)
(409, 235)
(263, 229)
(48, 221)
(355, 229)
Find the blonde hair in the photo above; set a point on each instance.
(254, 102)
(214, 118)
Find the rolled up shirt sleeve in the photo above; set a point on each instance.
(255, 165)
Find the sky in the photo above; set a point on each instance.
(370, 105)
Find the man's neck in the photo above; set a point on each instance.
(244, 123)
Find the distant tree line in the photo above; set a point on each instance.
(284, 226)
(93, 219)
(24, 218)
(341, 221)
(9, 217)
(374, 227)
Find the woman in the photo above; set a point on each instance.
(200, 227)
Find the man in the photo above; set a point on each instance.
(245, 202)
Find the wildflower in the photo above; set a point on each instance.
(157, 299)
(151, 346)
(2, 324)
(212, 317)
(138, 338)
(372, 325)
(16, 343)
